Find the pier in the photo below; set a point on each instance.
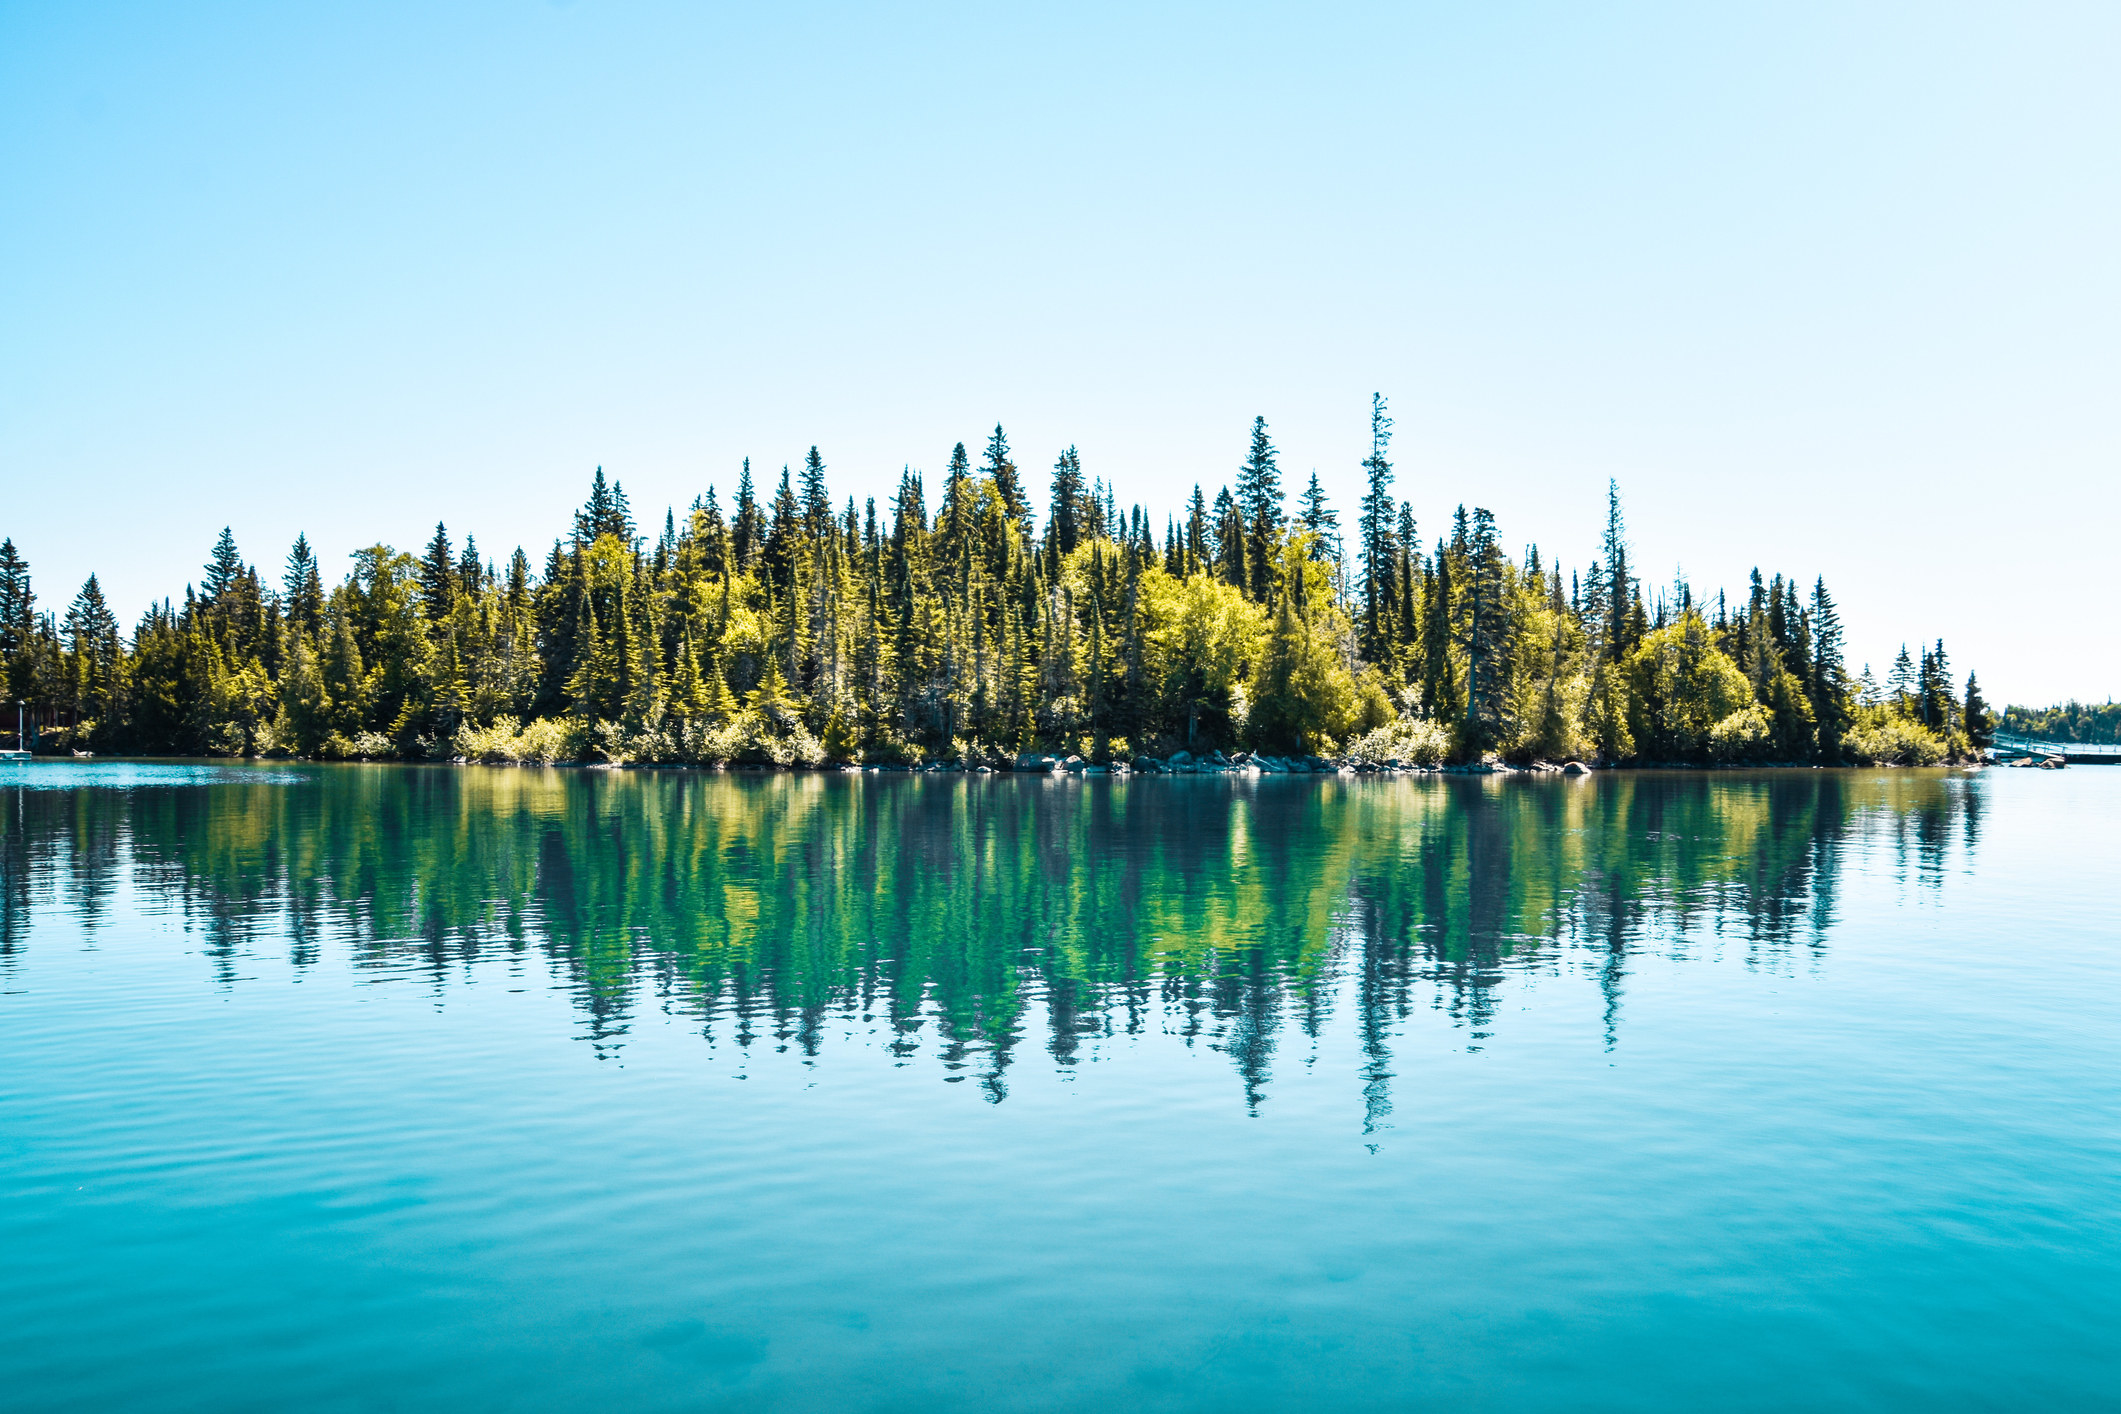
(2011, 747)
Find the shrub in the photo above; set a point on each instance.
(1410, 741)
(494, 743)
(1894, 741)
(1741, 736)
(548, 740)
(369, 746)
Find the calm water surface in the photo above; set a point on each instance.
(370, 1087)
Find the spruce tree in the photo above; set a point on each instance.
(1007, 484)
(1900, 684)
(1231, 558)
(817, 502)
(1319, 519)
(302, 587)
(18, 604)
(438, 577)
(223, 572)
(471, 574)
(1487, 637)
(1259, 497)
(1380, 553)
(1619, 586)
(1980, 724)
(1827, 680)
(748, 534)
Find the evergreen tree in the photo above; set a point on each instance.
(1259, 498)
(1380, 552)
(1900, 684)
(1064, 513)
(1487, 638)
(748, 533)
(1198, 532)
(605, 514)
(1980, 725)
(438, 577)
(223, 572)
(18, 604)
(1827, 682)
(302, 587)
(1320, 520)
(1232, 558)
(1007, 484)
(817, 502)
(1618, 589)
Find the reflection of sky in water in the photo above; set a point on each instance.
(126, 775)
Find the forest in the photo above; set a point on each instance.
(791, 630)
(2096, 724)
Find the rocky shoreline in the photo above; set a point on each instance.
(1179, 763)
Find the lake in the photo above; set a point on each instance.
(399, 1087)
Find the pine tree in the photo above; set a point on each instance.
(605, 514)
(1007, 484)
(1198, 532)
(1900, 684)
(18, 605)
(1827, 681)
(1980, 724)
(1619, 592)
(1488, 637)
(302, 587)
(1319, 519)
(1232, 560)
(471, 574)
(1259, 498)
(223, 572)
(1380, 553)
(817, 503)
(748, 534)
(438, 577)
(784, 537)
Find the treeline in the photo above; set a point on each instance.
(2094, 724)
(792, 629)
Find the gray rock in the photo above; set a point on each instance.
(1148, 765)
(1180, 758)
(1575, 768)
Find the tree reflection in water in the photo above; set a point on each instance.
(957, 912)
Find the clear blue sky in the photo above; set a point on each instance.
(1832, 289)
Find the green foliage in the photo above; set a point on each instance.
(2096, 724)
(794, 633)
(1408, 741)
(1885, 738)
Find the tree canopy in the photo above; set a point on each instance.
(800, 631)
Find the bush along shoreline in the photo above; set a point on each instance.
(1248, 631)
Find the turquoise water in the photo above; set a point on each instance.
(370, 1087)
